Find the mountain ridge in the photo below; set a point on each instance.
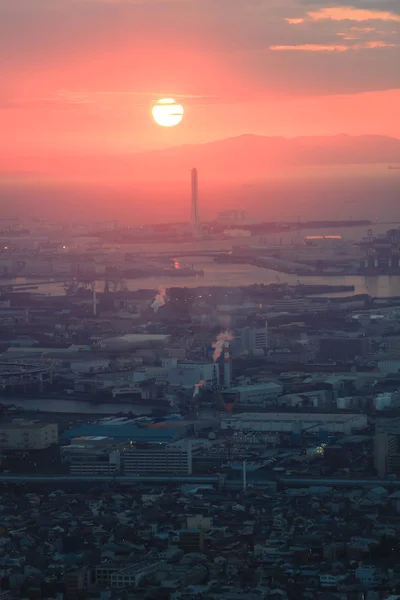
(245, 156)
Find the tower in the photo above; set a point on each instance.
(94, 299)
(195, 209)
(227, 366)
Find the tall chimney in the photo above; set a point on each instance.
(227, 366)
(195, 200)
(244, 476)
(94, 300)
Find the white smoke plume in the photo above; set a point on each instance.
(159, 300)
(197, 388)
(222, 338)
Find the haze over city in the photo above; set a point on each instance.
(199, 300)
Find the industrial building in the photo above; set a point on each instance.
(124, 433)
(295, 422)
(92, 455)
(160, 432)
(27, 435)
(178, 374)
(134, 340)
(258, 394)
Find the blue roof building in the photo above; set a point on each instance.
(124, 433)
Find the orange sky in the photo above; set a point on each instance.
(80, 76)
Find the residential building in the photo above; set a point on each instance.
(133, 575)
(28, 435)
(158, 458)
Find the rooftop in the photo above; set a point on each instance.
(24, 425)
(125, 432)
(254, 387)
(270, 416)
(134, 569)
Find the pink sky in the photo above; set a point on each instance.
(80, 76)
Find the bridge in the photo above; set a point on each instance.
(23, 375)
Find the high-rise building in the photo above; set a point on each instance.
(387, 447)
(195, 208)
(253, 340)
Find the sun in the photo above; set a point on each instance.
(167, 112)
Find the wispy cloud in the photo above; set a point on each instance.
(311, 48)
(295, 21)
(115, 2)
(139, 98)
(379, 44)
(68, 99)
(362, 29)
(332, 47)
(346, 13)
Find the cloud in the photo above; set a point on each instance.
(349, 13)
(125, 53)
(135, 98)
(363, 29)
(295, 21)
(101, 100)
(127, 2)
(333, 47)
(311, 48)
(379, 44)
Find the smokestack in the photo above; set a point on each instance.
(244, 476)
(94, 300)
(227, 366)
(195, 200)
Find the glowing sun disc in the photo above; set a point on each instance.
(167, 112)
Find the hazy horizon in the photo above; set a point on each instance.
(363, 193)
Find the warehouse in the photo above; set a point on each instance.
(258, 394)
(296, 422)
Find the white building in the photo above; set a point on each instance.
(173, 458)
(295, 422)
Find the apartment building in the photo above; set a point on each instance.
(28, 435)
(158, 458)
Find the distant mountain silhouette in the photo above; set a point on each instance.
(254, 154)
(245, 156)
